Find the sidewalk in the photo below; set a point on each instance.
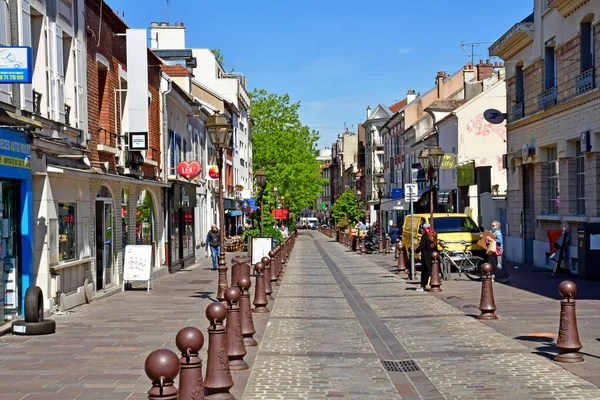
(99, 349)
(344, 327)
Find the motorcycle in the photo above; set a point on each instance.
(371, 242)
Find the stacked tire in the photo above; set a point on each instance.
(34, 322)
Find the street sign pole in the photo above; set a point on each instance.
(411, 195)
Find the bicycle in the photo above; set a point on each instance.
(463, 261)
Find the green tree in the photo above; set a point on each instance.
(347, 210)
(286, 150)
(220, 58)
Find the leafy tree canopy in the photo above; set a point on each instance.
(347, 208)
(286, 150)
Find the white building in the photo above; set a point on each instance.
(169, 43)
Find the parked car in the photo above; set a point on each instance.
(451, 228)
(312, 223)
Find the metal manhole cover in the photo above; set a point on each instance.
(401, 366)
(200, 282)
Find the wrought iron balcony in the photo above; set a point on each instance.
(37, 102)
(517, 112)
(585, 81)
(547, 99)
(67, 115)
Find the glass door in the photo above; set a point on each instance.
(108, 243)
(104, 244)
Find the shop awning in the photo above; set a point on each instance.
(20, 118)
(235, 213)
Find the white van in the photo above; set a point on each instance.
(312, 223)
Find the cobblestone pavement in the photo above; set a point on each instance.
(338, 315)
(336, 318)
(99, 349)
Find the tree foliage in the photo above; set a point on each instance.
(347, 209)
(286, 150)
(220, 58)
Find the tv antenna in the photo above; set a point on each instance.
(463, 45)
(168, 13)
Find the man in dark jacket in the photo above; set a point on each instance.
(213, 239)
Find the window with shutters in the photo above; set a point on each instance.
(38, 49)
(69, 92)
(25, 40)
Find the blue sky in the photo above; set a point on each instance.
(336, 56)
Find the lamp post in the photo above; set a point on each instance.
(380, 189)
(431, 159)
(261, 180)
(218, 131)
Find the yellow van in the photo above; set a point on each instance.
(454, 229)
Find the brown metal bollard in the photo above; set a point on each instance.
(235, 340)
(400, 251)
(362, 245)
(218, 379)
(222, 283)
(260, 297)
(272, 275)
(487, 305)
(435, 282)
(189, 341)
(162, 367)
(387, 246)
(269, 265)
(568, 336)
(235, 270)
(248, 329)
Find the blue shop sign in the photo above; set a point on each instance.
(15, 64)
(15, 154)
(397, 194)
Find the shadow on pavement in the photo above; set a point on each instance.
(540, 339)
(204, 295)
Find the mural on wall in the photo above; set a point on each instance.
(479, 128)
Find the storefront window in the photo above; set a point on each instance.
(9, 211)
(67, 231)
(124, 223)
(174, 235)
(188, 233)
(144, 232)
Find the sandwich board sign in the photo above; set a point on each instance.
(138, 264)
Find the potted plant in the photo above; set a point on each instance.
(239, 187)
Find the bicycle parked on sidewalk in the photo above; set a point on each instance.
(462, 261)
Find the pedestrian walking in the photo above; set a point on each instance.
(394, 234)
(495, 254)
(428, 244)
(213, 239)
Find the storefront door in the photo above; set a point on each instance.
(9, 212)
(104, 243)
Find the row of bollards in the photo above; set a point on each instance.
(226, 342)
(567, 342)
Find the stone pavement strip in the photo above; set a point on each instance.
(338, 315)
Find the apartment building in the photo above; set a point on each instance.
(553, 130)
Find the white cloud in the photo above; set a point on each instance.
(404, 50)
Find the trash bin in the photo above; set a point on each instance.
(589, 247)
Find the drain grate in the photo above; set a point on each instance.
(401, 366)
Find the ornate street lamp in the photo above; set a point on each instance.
(261, 180)
(431, 159)
(380, 189)
(218, 130)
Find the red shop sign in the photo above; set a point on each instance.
(189, 170)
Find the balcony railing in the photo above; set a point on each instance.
(67, 115)
(37, 102)
(517, 112)
(107, 138)
(585, 81)
(547, 99)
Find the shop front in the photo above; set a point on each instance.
(182, 201)
(16, 237)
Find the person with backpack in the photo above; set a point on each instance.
(213, 239)
(428, 244)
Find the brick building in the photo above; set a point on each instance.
(552, 132)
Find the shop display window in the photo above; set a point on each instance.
(67, 231)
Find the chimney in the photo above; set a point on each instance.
(499, 69)
(439, 81)
(368, 112)
(469, 73)
(176, 23)
(411, 95)
(484, 71)
(182, 25)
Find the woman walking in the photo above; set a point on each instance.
(428, 245)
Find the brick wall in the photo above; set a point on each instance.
(568, 58)
(534, 82)
(105, 113)
(511, 95)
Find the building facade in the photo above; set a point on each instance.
(552, 133)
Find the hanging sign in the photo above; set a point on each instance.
(189, 170)
(213, 172)
(15, 64)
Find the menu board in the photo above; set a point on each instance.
(138, 263)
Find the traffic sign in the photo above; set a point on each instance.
(411, 193)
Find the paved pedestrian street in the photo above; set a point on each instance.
(339, 318)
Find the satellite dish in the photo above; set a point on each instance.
(494, 116)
